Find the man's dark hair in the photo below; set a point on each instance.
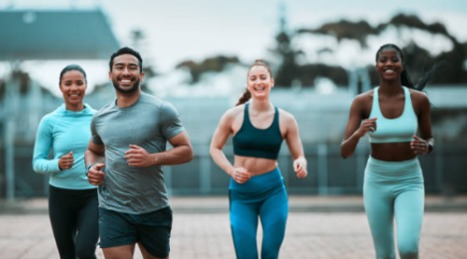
(126, 50)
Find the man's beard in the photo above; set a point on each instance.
(133, 88)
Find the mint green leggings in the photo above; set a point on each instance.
(394, 190)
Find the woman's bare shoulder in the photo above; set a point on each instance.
(419, 98)
(418, 94)
(233, 112)
(363, 99)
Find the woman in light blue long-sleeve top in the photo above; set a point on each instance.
(72, 200)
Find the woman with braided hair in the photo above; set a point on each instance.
(396, 115)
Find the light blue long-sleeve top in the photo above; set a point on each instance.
(62, 131)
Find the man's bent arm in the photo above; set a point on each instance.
(94, 154)
(182, 151)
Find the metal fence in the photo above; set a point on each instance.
(444, 172)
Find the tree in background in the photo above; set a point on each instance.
(287, 71)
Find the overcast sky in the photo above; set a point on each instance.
(177, 30)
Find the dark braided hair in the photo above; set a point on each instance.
(246, 94)
(405, 78)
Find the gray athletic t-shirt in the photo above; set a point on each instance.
(148, 123)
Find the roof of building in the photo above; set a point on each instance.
(55, 34)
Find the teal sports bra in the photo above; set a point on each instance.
(253, 142)
(400, 129)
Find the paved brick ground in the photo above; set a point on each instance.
(201, 230)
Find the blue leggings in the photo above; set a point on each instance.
(263, 196)
(394, 190)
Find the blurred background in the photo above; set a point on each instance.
(196, 55)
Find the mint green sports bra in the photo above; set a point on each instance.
(400, 129)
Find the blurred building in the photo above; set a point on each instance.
(39, 35)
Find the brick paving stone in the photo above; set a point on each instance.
(205, 233)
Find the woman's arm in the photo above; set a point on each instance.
(356, 127)
(43, 143)
(218, 141)
(425, 143)
(294, 143)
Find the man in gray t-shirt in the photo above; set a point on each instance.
(124, 158)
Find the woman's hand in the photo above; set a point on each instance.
(420, 146)
(66, 161)
(299, 166)
(368, 125)
(240, 175)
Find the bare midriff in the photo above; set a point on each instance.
(255, 165)
(399, 151)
